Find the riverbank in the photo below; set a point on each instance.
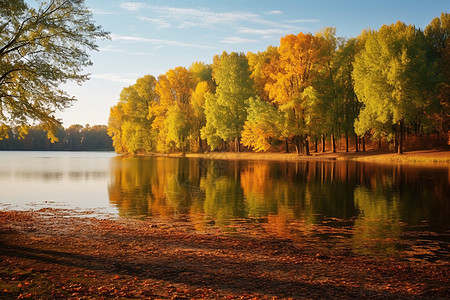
(423, 156)
(63, 254)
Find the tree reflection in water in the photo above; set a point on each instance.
(374, 207)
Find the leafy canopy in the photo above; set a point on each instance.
(41, 48)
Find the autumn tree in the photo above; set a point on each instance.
(226, 110)
(173, 88)
(198, 110)
(41, 48)
(438, 37)
(204, 85)
(331, 100)
(115, 121)
(349, 104)
(293, 70)
(128, 124)
(259, 64)
(394, 79)
(264, 122)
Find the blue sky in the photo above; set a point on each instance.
(151, 37)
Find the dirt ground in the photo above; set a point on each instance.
(62, 254)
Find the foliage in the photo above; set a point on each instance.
(226, 111)
(74, 138)
(394, 78)
(293, 70)
(382, 85)
(41, 48)
(438, 37)
(128, 124)
(264, 121)
(173, 88)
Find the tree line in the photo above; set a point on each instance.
(383, 85)
(74, 138)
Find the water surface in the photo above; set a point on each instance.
(390, 210)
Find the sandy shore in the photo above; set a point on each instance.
(423, 156)
(50, 254)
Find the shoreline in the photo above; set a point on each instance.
(432, 157)
(54, 253)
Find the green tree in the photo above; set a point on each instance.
(40, 48)
(395, 79)
(264, 122)
(226, 111)
(438, 37)
(138, 135)
(73, 137)
(178, 127)
(332, 105)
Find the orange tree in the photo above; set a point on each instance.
(292, 71)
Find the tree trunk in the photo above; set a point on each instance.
(307, 146)
(333, 143)
(323, 142)
(356, 143)
(200, 145)
(296, 141)
(363, 143)
(379, 144)
(315, 145)
(286, 145)
(340, 139)
(237, 145)
(346, 141)
(395, 139)
(400, 138)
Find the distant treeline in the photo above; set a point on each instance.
(74, 138)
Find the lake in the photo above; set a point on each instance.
(391, 210)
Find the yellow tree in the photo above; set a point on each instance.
(259, 64)
(198, 110)
(173, 88)
(115, 122)
(128, 123)
(204, 85)
(292, 72)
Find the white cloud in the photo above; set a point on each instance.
(200, 17)
(159, 22)
(133, 6)
(116, 37)
(237, 40)
(127, 78)
(304, 21)
(177, 17)
(261, 31)
(275, 12)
